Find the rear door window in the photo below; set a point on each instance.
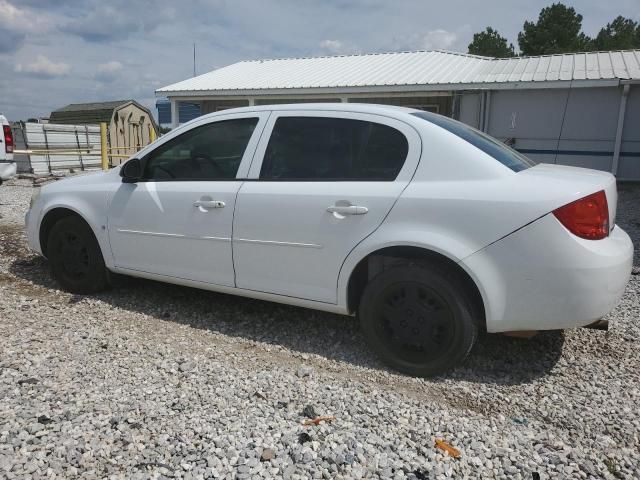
(489, 145)
(325, 149)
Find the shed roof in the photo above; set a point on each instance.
(434, 68)
(89, 113)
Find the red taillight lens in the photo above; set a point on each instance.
(8, 138)
(587, 218)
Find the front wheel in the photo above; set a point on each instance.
(420, 319)
(75, 257)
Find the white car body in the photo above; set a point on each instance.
(7, 165)
(275, 240)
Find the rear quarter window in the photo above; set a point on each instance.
(504, 154)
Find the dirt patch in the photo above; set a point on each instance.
(12, 241)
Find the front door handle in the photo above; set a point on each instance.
(205, 205)
(347, 209)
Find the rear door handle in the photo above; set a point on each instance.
(206, 205)
(347, 209)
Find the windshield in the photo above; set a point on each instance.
(489, 145)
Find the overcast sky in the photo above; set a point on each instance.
(55, 52)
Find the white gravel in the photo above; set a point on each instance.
(156, 381)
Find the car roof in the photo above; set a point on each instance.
(336, 107)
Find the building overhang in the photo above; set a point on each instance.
(431, 89)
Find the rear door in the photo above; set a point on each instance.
(319, 184)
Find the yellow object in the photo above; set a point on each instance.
(444, 446)
(152, 134)
(103, 146)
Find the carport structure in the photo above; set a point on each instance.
(578, 109)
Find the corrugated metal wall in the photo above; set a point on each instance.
(629, 166)
(564, 126)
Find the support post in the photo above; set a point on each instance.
(620, 129)
(481, 107)
(175, 118)
(79, 151)
(487, 112)
(103, 146)
(46, 145)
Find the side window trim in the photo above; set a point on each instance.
(406, 172)
(247, 157)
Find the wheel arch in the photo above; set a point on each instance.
(53, 216)
(381, 258)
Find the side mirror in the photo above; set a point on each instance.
(131, 171)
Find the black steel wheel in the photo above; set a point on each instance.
(75, 257)
(421, 320)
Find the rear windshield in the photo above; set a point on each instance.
(489, 145)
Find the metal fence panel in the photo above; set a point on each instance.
(67, 147)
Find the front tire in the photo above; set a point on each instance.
(75, 257)
(420, 319)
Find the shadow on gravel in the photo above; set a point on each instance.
(494, 360)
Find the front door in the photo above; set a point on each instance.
(320, 183)
(177, 220)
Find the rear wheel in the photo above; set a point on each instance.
(420, 319)
(75, 257)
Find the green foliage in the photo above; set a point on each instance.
(491, 44)
(556, 31)
(621, 34)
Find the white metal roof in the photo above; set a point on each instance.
(445, 70)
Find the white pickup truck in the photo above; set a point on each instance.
(7, 165)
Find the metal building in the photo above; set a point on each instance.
(576, 109)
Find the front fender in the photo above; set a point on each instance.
(94, 215)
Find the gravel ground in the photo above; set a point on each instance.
(155, 381)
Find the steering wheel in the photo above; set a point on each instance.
(164, 169)
(210, 161)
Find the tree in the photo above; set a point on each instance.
(491, 44)
(556, 31)
(621, 34)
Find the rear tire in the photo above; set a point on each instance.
(420, 319)
(75, 257)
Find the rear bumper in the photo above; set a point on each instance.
(7, 170)
(542, 277)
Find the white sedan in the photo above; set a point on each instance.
(425, 228)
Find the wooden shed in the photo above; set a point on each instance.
(129, 123)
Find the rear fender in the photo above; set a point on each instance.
(387, 236)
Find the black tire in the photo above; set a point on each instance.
(75, 257)
(420, 319)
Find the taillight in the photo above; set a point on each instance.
(8, 138)
(587, 218)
